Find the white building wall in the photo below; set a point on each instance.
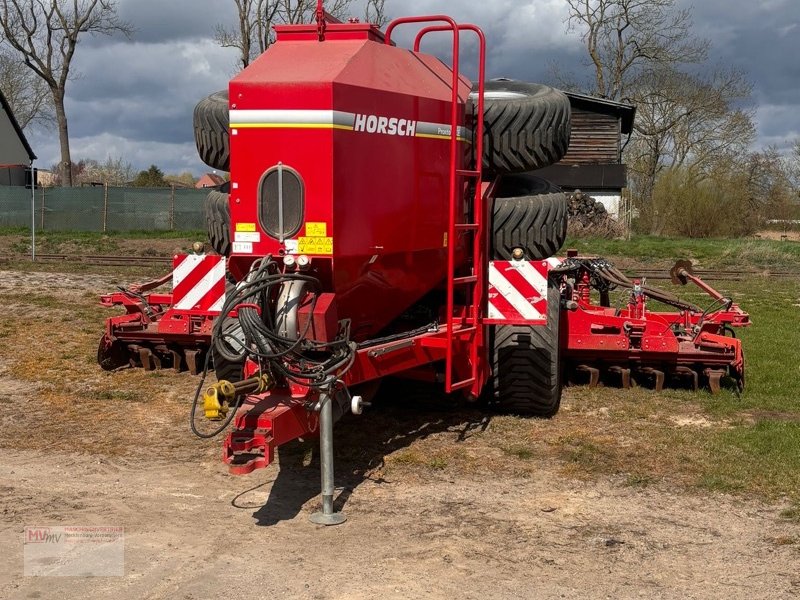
(611, 200)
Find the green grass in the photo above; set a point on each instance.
(752, 441)
(705, 253)
(764, 457)
(759, 450)
(519, 451)
(792, 513)
(772, 368)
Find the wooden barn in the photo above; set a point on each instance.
(593, 163)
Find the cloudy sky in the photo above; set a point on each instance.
(134, 98)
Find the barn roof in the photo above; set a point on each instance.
(624, 112)
(7, 108)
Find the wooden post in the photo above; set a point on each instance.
(105, 207)
(41, 218)
(172, 207)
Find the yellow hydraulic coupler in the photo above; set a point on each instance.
(219, 397)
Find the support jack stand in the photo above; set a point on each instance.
(326, 516)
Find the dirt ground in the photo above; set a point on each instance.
(82, 447)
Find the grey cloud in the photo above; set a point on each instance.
(174, 20)
(135, 98)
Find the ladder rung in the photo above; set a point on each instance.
(462, 384)
(465, 280)
(467, 173)
(467, 226)
(465, 330)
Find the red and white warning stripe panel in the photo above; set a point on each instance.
(518, 291)
(198, 282)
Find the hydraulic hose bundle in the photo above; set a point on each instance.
(605, 276)
(262, 334)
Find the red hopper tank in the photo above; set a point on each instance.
(340, 151)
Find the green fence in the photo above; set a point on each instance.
(103, 208)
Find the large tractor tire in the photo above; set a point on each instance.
(526, 369)
(529, 213)
(229, 368)
(211, 131)
(225, 369)
(527, 126)
(217, 211)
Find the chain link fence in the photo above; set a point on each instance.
(103, 209)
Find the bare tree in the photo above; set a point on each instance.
(639, 51)
(622, 37)
(795, 167)
(27, 94)
(45, 35)
(688, 122)
(375, 12)
(253, 33)
(114, 171)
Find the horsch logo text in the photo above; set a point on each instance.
(385, 125)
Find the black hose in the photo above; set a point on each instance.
(192, 424)
(298, 359)
(604, 270)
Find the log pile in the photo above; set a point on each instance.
(586, 211)
(589, 217)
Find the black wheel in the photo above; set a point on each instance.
(528, 213)
(211, 131)
(227, 370)
(526, 371)
(217, 211)
(228, 365)
(527, 126)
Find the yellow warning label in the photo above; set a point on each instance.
(317, 229)
(247, 227)
(315, 245)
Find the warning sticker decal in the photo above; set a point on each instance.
(315, 245)
(317, 230)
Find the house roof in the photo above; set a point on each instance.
(17, 128)
(215, 179)
(625, 112)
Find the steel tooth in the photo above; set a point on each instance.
(625, 376)
(714, 377)
(177, 360)
(191, 360)
(594, 374)
(695, 378)
(658, 377)
(146, 357)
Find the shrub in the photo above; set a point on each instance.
(690, 206)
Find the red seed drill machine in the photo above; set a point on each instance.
(380, 221)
